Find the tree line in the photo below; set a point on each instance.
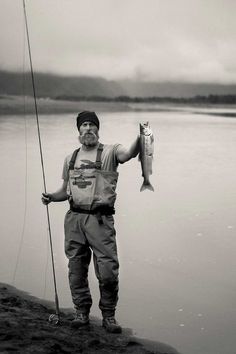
(199, 99)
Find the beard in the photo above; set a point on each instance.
(89, 139)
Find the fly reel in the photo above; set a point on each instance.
(54, 319)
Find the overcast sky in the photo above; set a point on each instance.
(187, 40)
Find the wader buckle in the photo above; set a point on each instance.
(99, 217)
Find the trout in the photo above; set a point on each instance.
(146, 154)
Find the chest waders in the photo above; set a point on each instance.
(89, 227)
(92, 189)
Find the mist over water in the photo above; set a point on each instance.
(176, 246)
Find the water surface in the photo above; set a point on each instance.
(176, 245)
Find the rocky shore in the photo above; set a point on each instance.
(24, 328)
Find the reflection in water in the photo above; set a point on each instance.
(176, 245)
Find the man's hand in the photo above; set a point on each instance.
(59, 196)
(46, 198)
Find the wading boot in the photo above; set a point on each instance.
(111, 325)
(80, 320)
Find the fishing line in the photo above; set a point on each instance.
(45, 272)
(54, 318)
(26, 167)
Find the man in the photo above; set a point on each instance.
(89, 183)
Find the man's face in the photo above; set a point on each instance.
(88, 134)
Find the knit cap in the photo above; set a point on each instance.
(87, 116)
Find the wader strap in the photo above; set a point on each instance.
(98, 212)
(99, 157)
(103, 210)
(73, 158)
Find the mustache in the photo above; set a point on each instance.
(89, 138)
(84, 134)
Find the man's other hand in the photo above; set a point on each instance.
(46, 198)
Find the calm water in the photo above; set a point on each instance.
(176, 245)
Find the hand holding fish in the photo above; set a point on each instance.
(146, 154)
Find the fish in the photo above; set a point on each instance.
(146, 154)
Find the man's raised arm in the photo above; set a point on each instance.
(125, 154)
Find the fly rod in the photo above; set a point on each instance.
(54, 318)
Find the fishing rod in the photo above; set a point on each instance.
(54, 318)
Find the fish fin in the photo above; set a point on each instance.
(146, 185)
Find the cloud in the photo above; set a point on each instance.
(150, 39)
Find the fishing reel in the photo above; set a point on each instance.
(54, 319)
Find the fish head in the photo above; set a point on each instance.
(145, 128)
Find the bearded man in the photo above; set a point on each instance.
(89, 183)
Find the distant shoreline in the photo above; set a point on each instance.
(20, 105)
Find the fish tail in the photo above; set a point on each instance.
(146, 185)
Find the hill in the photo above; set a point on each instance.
(51, 85)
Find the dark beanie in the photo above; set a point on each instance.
(87, 116)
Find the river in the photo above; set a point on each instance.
(176, 246)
